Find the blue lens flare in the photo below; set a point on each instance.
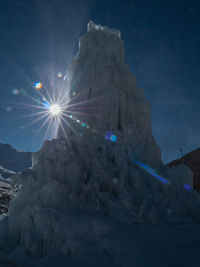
(187, 186)
(46, 104)
(150, 171)
(111, 137)
(108, 135)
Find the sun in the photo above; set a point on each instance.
(54, 106)
(55, 110)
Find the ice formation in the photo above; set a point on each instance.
(93, 27)
(83, 187)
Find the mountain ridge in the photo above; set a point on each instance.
(13, 159)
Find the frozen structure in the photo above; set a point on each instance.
(93, 27)
(81, 187)
(101, 80)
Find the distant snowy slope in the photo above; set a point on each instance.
(13, 159)
(5, 173)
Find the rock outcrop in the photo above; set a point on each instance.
(6, 192)
(11, 161)
(5, 195)
(192, 160)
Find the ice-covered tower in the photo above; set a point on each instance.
(81, 188)
(102, 82)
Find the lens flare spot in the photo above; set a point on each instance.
(108, 135)
(59, 74)
(187, 186)
(111, 137)
(8, 109)
(15, 91)
(55, 109)
(46, 104)
(38, 85)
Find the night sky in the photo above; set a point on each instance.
(162, 39)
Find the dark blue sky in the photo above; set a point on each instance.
(162, 40)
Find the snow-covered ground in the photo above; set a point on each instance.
(166, 245)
